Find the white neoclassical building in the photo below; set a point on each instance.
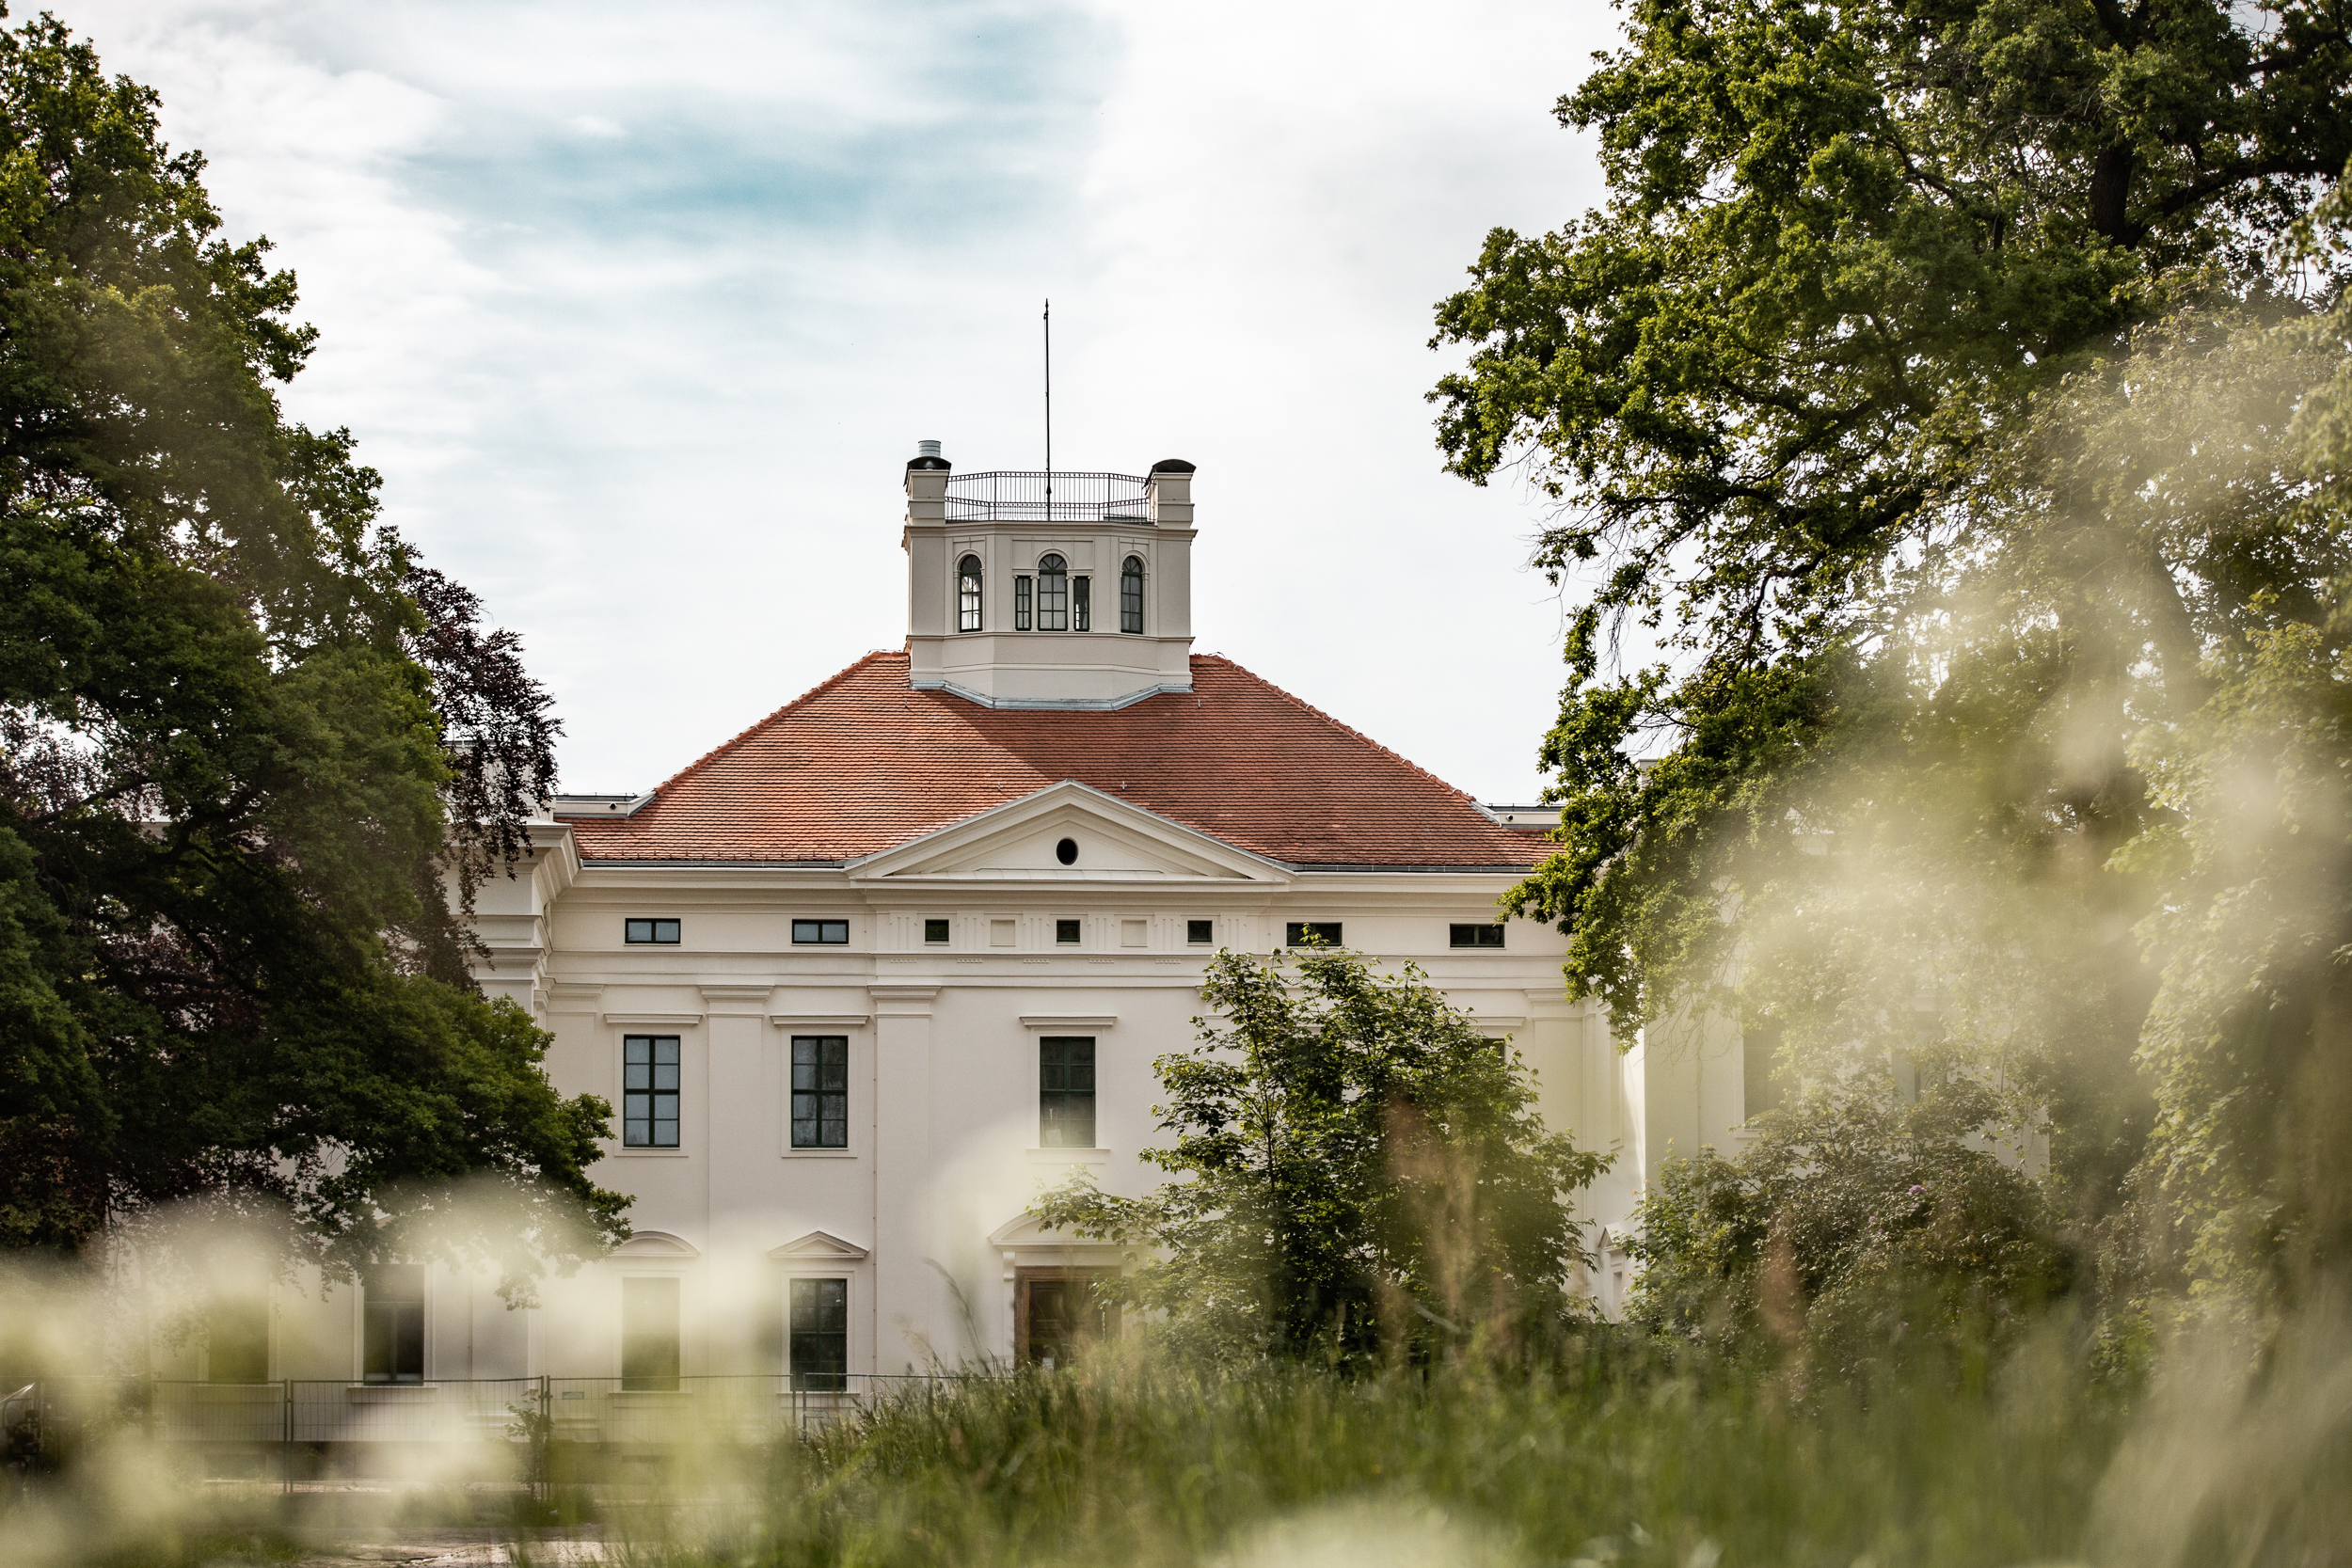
(864, 977)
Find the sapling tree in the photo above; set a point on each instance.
(1358, 1172)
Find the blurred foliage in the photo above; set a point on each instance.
(1360, 1173)
(249, 746)
(1955, 393)
(1853, 1229)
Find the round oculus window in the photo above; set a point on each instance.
(1066, 852)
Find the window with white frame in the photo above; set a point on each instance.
(649, 1091)
(392, 1323)
(968, 594)
(1066, 1091)
(1053, 594)
(1131, 594)
(649, 1334)
(821, 1091)
(236, 1334)
(820, 1337)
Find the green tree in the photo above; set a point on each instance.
(1930, 385)
(1358, 1171)
(1854, 1227)
(247, 746)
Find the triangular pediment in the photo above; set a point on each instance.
(1116, 842)
(1026, 1231)
(818, 1247)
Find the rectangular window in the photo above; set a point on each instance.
(1200, 933)
(821, 1091)
(1021, 604)
(236, 1338)
(934, 931)
(1131, 596)
(1474, 936)
(663, 932)
(820, 1335)
(1081, 604)
(648, 1335)
(392, 1323)
(1066, 930)
(1312, 933)
(1066, 1091)
(1759, 1058)
(649, 1089)
(827, 933)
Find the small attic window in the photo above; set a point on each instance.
(1066, 852)
(661, 932)
(1312, 933)
(827, 933)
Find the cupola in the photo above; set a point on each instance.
(1034, 589)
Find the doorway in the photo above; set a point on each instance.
(1057, 1313)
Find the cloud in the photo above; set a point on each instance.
(639, 310)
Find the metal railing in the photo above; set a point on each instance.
(1022, 494)
(525, 1429)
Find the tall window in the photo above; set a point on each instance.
(1131, 594)
(236, 1336)
(649, 1334)
(1081, 604)
(649, 1091)
(968, 594)
(820, 1335)
(1066, 1091)
(1053, 594)
(821, 1091)
(1021, 604)
(392, 1323)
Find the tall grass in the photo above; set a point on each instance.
(1614, 1454)
(1615, 1457)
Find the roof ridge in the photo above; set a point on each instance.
(1297, 701)
(745, 733)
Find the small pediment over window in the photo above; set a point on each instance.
(818, 1247)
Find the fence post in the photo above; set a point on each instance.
(286, 1434)
(543, 1442)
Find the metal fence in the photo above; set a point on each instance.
(1043, 496)
(523, 1429)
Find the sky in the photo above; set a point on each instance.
(640, 310)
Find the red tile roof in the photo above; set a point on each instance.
(863, 763)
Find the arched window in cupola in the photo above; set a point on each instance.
(1053, 594)
(968, 594)
(1131, 594)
